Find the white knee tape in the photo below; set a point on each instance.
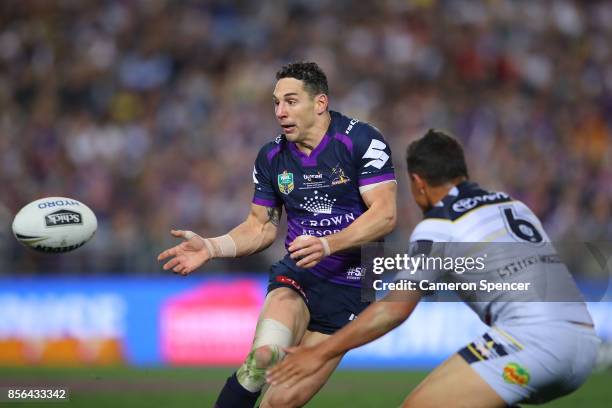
(276, 336)
(270, 331)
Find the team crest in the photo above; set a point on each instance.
(339, 176)
(516, 374)
(285, 182)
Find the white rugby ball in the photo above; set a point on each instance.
(54, 224)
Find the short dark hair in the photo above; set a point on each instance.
(313, 76)
(436, 157)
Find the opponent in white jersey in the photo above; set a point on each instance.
(517, 257)
(541, 345)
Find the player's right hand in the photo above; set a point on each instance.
(307, 251)
(300, 362)
(186, 256)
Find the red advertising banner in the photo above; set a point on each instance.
(212, 324)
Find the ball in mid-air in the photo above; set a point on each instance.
(54, 224)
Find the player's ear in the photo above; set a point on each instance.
(321, 103)
(417, 181)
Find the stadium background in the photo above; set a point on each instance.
(152, 112)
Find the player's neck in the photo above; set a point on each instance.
(315, 135)
(436, 194)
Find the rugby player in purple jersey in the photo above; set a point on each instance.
(335, 179)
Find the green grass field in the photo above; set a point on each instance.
(197, 387)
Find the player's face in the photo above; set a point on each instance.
(294, 108)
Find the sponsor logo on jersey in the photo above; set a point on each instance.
(63, 217)
(312, 181)
(313, 177)
(339, 176)
(466, 204)
(343, 220)
(354, 273)
(376, 151)
(352, 123)
(285, 182)
(319, 204)
(514, 373)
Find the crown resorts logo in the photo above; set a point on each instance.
(318, 204)
(514, 373)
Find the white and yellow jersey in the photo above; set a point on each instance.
(509, 243)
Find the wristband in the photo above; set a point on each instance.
(221, 247)
(326, 250)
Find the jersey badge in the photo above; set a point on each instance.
(514, 373)
(285, 182)
(339, 176)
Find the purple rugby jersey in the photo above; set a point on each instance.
(320, 192)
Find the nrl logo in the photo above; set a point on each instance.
(285, 182)
(63, 217)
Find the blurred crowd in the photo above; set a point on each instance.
(152, 111)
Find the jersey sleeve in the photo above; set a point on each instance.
(428, 240)
(374, 158)
(264, 194)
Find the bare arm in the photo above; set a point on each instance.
(378, 220)
(375, 321)
(255, 234)
(375, 223)
(258, 231)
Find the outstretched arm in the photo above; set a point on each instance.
(378, 220)
(258, 231)
(376, 320)
(255, 234)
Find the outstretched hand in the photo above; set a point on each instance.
(299, 363)
(186, 256)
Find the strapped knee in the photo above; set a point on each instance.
(271, 337)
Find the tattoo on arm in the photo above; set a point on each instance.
(274, 215)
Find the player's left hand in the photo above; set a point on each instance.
(307, 250)
(299, 363)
